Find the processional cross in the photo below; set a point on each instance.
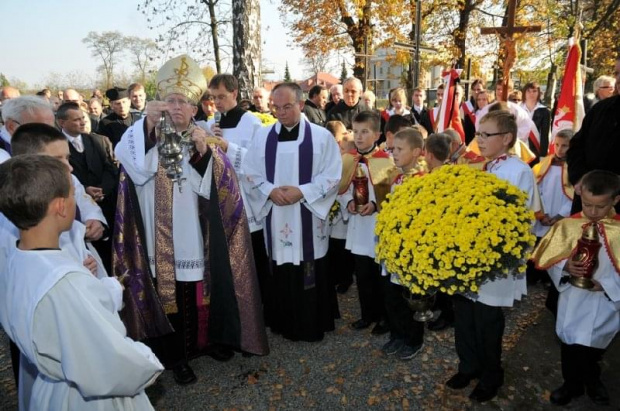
(507, 32)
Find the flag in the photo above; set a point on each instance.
(570, 111)
(448, 116)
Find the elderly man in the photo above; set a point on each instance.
(7, 93)
(314, 108)
(195, 269)
(350, 105)
(335, 92)
(114, 124)
(260, 101)
(604, 87)
(95, 111)
(291, 183)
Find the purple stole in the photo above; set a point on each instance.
(5, 146)
(305, 176)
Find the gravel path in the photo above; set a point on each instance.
(348, 371)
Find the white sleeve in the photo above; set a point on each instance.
(79, 338)
(556, 272)
(130, 152)
(253, 178)
(89, 209)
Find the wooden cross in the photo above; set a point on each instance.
(510, 42)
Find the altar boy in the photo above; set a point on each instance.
(479, 322)
(62, 318)
(588, 319)
(380, 171)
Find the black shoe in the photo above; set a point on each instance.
(342, 288)
(360, 324)
(440, 323)
(598, 393)
(219, 353)
(483, 394)
(183, 374)
(564, 395)
(380, 328)
(459, 381)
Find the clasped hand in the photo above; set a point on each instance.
(285, 195)
(367, 209)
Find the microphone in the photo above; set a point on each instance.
(217, 117)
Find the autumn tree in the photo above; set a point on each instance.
(107, 46)
(187, 26)
(246, 45)
(142, 52)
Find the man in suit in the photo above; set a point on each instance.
(91, 167)
(315, 105)
(420, 113)
(116, 123)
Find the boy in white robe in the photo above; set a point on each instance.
(380, 171)
(291, 180)
(556, 193)
(479, 323)
(62, 318)
(587, 319)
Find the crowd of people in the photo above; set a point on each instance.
(103, 250)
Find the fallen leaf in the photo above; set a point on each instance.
(252, 379)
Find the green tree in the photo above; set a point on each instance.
(287, 74)
(4, 81)
(344, 74)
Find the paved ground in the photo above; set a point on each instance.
(348, 371)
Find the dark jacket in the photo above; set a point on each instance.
(346, 114)
(314, 114)
(597, 144)
(113, 127)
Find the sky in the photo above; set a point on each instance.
(43, 37)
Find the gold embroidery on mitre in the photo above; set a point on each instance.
(181, 75)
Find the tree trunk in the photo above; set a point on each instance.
(213, 24)
(461, 32)
(246, 45)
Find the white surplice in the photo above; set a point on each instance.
(318, 195)
(66, 326)
(361, 229)
(187, 236)
(239, 140)
(503, 292)
(586, 317)
(555, 202)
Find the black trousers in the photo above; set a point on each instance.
(263, 272)
(180, 346)
(399, 315)
(580, 365)
(370, 288)
(341, 263)
(478, 333)
(445, 305)
(15, 354)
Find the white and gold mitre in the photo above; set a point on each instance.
(181, 75)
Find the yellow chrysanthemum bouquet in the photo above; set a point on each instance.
(265, 118)
(453, 230)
